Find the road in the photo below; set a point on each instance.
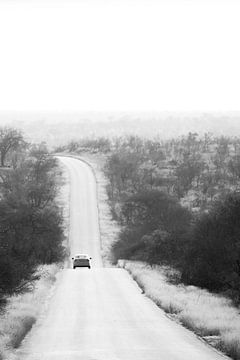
(100, 314)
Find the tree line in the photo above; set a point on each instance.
(195, 169)
(31, 230)
(178, 203)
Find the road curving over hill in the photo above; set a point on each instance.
(101, 314)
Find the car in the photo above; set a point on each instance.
(81, 260)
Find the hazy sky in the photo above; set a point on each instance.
(120, 55)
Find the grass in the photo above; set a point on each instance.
(210, 316)
(230, 342)
(23, 310)
(63, 200)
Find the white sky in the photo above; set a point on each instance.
(158, 55)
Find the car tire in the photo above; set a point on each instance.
(89, 267)
(74, 267)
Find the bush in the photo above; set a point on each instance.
(155, 226)
(129, 245)
(213, 258)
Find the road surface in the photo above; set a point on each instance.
(100, 314)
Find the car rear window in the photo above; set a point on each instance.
(81, 257)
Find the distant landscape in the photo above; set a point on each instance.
(56, 128)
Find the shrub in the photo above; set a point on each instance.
(128, 245)
(155, 226)
(213, 258)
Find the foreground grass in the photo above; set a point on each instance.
(23, 310)
(210, 316)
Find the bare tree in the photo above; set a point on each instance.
(10, 139)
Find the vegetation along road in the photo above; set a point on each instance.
(101, 313)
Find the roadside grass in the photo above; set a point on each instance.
(230, 342)
(211, 316)
(22, 311)
(63, 200)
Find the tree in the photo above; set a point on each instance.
(156, 210)
(222, 154)
(130, 245)
(31, 230)
(158, 247)
(191, 142)
(207, 141)
(234, 167)
(10, 139)
(213, 258)
(154, 227)
(188, 170)
(147, 174)
(122, 171)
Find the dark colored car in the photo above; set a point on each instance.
(81, 260)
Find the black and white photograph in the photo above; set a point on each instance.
(119, 180)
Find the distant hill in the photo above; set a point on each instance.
(59, 128)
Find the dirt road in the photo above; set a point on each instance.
(100, 314)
